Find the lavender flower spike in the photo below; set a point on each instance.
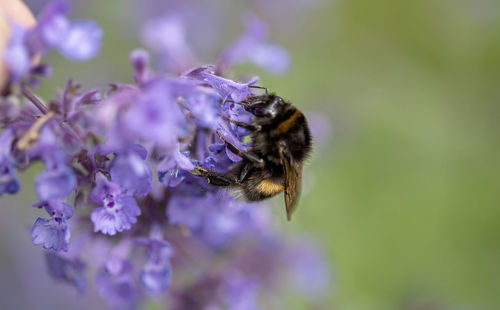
(101, 150)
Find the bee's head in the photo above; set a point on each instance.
(266, 106)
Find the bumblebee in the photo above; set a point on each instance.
(280, 141)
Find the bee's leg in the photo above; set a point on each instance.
(248, 126)
(244, 172)
(259, 87)
(212, 177)
(246, 155)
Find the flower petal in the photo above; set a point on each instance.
(82, 42)
(51, 234)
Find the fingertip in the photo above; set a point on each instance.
(18, 12)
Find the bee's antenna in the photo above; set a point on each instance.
(243, 103)
(259, 87)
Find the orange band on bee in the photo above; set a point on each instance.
(268, 187)
(287, 124)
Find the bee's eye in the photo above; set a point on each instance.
(259, 111)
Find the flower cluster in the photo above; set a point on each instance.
(117, 164)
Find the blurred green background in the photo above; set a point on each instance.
(405, 196)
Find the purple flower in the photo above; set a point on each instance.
(155, 115)
(156, 273)
(188, 211)
(66, 269)
(82, 41)
(216, 218)
(132, 173)
(167, 37)
(118, 212)
(76, 41)
(171, 169)
(253, 47)
(230, 137)
(102, 153)
(56, 182)
(9, 181)
(54, 233)
(239, 292)
(52, 26)
(226, 88)
(90, 97)
(204, 105)
(17, 56)
(116, 285)
(227, 219)
(140, 60)
(218, 160)
(309, 269)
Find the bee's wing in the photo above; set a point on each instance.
(293, 183)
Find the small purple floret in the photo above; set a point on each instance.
(117, 286)
(118, 212)
(67, 269)
(55, 183)
(82, 41)
(53, 234)
(156, 273)
(171, 169)
(253, 46)
(227, 89)
(132, 173)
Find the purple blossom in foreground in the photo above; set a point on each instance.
(122, 160)
(118, 211)
(226, 88)
(170, 170)
(54, 233)
(132, 173)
